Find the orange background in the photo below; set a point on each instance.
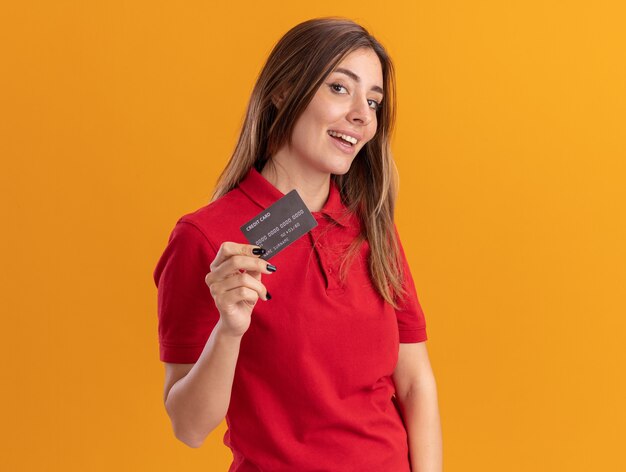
(116, 118)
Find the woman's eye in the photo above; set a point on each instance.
(334, 87)
(376, 104)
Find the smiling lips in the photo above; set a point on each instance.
(344, 144)
(346, 137)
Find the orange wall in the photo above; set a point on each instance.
(116, 118)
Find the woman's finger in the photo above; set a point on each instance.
(235, 264)
(229, 248)
(238, 280)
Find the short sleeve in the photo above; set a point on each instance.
(186, 310)
(411, 320)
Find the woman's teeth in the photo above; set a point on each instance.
(350, 139)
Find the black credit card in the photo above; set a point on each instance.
(279, 225)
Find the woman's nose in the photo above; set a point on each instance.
(360, 111)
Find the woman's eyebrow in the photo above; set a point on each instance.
(356, 78)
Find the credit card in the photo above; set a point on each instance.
(279, 225)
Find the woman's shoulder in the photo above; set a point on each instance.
(215, 209)
(221, 219)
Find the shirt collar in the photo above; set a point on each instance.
(264, 194)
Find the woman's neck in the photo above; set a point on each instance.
(312, 187)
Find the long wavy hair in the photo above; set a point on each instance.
(301, 60)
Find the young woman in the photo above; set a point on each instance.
(316, 358)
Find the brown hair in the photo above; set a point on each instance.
(301, 60)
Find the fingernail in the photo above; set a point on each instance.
(258, 251)
(268, 296)
(271, 268)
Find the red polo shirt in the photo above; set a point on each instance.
(312, 389)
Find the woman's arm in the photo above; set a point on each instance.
(416, 392)
(197, 395)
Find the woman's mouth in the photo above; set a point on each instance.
(343, 142)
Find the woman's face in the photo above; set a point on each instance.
(345, 103)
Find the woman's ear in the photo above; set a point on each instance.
(279, 96)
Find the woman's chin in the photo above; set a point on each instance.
(342, 167)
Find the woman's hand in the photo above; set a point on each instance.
(235, 283)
